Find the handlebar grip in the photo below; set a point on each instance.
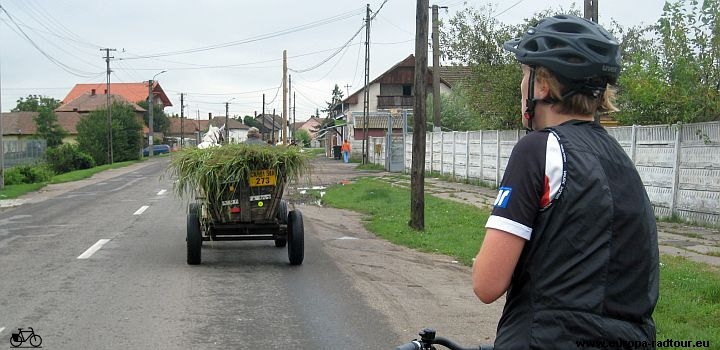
(413, 345)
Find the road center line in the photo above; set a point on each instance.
(2, 329)
(141, 210)
(95, 247)
(162, 192)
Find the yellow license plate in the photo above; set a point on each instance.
(265, 177)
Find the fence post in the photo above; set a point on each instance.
(432, 156)
(676, 169)
(467, 155)
(497, 159)
(442, 153)
(454, 133)
(482, 156)
(633, 143)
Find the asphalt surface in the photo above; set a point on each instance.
(137, 292)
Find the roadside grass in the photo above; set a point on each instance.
(14, 191)
(451, 228)
(370, 166)
(689, 304)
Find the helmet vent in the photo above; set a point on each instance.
(573, 59)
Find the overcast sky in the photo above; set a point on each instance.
(216, 51)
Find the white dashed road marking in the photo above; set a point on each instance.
(162, 192)
(141, 210)
(95, 247)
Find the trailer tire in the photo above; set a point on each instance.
(296, 238)
(194, 236)
(282, 217)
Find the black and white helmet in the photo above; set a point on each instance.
(576, 50)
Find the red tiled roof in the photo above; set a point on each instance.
(133, 92)
(92, 102)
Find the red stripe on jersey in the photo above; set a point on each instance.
(545, 199)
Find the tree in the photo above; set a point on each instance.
(33, 103)
(48, 127)
(127, 136)
(335, 99)
(161, 123)
(303, 136)
(250, 121)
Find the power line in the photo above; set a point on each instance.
(255, 38)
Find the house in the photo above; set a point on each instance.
(190, 130)
(312, 126)
(236, 130)
(133, 92)
(270, 126)
(20, 144)
(391, 91)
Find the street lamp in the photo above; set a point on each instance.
(151, 104)
(227, 129)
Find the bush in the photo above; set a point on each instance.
(28, 174)
(67, 158)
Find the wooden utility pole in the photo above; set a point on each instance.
(285, 97)
(417, 170)
(591, 10)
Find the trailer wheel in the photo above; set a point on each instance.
(194, 236)
(282, 217)
(296, 238)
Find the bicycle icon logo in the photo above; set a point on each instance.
(16, 339)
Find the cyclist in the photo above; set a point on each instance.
(572, 236)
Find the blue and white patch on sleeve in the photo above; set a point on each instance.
(503, 197)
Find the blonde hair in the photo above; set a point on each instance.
(577, 103)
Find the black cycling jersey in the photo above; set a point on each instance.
(589, 267)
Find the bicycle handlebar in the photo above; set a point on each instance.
(428, 338)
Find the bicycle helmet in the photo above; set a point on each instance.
(581, 53)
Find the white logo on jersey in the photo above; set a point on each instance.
(503, 197)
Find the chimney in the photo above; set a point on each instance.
(105, 91)
(92, 92)
(209, 115)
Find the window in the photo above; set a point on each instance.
(407, 90)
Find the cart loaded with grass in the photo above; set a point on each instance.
(235, 193)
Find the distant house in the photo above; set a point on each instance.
(270, 126)
(20, 143)
(190, 130)
(237, 131)
(132, 92)
(312, 126)
(391, 92)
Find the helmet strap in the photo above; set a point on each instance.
(530, 101)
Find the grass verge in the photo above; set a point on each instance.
(14, 191)
(689, 304)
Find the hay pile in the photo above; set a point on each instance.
(213, 170)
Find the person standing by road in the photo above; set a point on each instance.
(254, 137)
(345, 149)
(572, 236)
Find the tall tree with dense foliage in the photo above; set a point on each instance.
(126, 134)
(48, 127)
(33, 103)
(673, 76)
(161, 123)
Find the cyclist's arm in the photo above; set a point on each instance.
(520, 197)
(495, 263)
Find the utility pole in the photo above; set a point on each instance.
(366, 94)
(591, 10)
(436, 68)
(272, 124)
(263, 113)
(417, 170)
(285, 97)
(292, 127)
(182, 129)
(347, 88)
(293, 108)
(151, 106)
(2, 141)
(109, 114)
(227, 119)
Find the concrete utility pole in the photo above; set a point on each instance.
(366, 94)
(591, 10)
(109, 114)
(417, 170)
(263, 113)
(2, 141)
(436, 67)
(285, 97)
(182, 129)
(151, 104)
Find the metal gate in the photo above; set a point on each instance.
(395, 143)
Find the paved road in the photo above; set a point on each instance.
(136, 291)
